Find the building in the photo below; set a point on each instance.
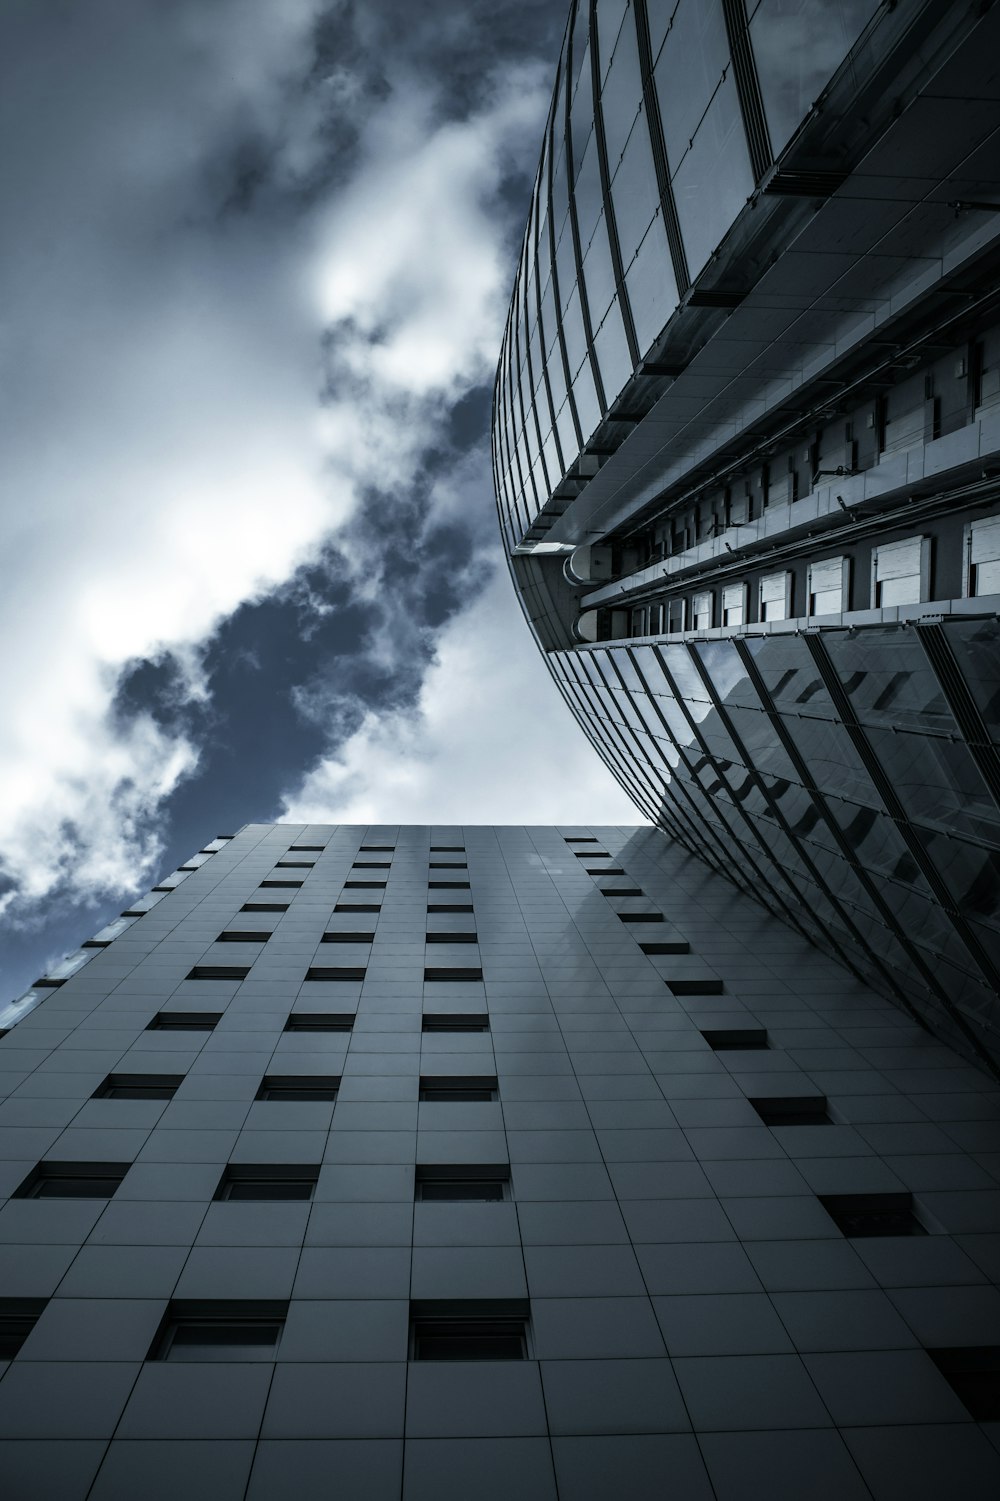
(747, 458)
(438, 1163)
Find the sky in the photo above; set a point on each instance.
(253, 276)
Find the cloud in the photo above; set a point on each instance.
(490, 741)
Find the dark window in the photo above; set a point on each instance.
(133, 913)
(333, 972)
(466, 1021)
(219, 972)
(973, 1373)
(306, 849)
(264, 907)
(469, 1330)
(449, 885)
(592, 854)
(4, 1031)
(641, 916)
(364, 885)
(185, 1021)
(605, 870)
(320, 1021)
(463, 1183)
(675, 946)
(581, 839)
(301, 1087)
(695, 987)
(452, 937)
(138, 1087)
(861, 1215)
(448, 865)
(453, 972)
(244, 935)
(459, 1088)
(18, 1316)
(233, 1329)
(377, 849)
(736, 1039)
(348, 937)
(447, 849)
(621, 890)
(284, 885)
(72, 1180)
(793, 1110)
(294, 864)
(267, 1182)
(449, 907)
(372, 865)
(162, 888)
(357, 907)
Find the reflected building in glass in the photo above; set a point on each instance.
(747, 458)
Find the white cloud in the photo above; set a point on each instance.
(491, 742)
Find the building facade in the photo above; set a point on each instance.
(438, 1163)
(747, 458)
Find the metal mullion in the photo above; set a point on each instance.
(882, 784)
(658, 144)
(748, 88)
(609, 214)
(585, 718)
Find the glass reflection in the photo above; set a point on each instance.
(694, 56)
(713, 180)
(798, 46)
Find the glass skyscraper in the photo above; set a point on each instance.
(747, 458)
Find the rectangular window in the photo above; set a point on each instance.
(226, 1329)
(792, 1110)
(449, 885)
(861, 1215)
(372, 865)
(219, 972)
(828, 586)
(353, 907)
(469, 1330)
(72, 1180)
(674, 946)
(349, 936)
(449, 937)
(631, 917)
(264, 907)
(736, 1039)
(459, 1021)
(243, 935)
(185, 1021)
(267, 1182)
(449, 907)
(459, 1089)
(983, 556)
(973, 1373)
(306, 849)
(294, 864)
(462, 1183)
(775, 596)
(581, 839)
(621, 891)
(18, 1316)
(364, 885)
(280, 885)
(138, 1087)
(734, 604)
(592, 854)
(307, 1088)
(320, 1021)
(448, 865)
(701, 612)
(336, 972)
(604, 870)
(453, 972)
(377, 849)
(447, 849)
(695, 987)
(901, 572)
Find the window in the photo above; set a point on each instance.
(792, 1110)
(320, 1021)
(448, 865)
(18, 1316)
(581, 839)
(306, 849)
(973, 1373)
(459, 1021)
(641, 916)
(243, 935)
(138, 1087)
(264, 907)
(372, 865)
(299, 1087)
(267, 1182)
(349, 935)
(668, 946)
(736, 1039)
(357, 907)
(450, 937)
(283, 885)
(219, 972)
(377, 849)
(828, 586)
(604, 870)
(982, 543)
(695, 987)
(701, 612)
(459, 1089)
(449, 907)
(860, 1215)
(592, 854)
(185, 1021)
(447, 849)
(621, 891)
(469, 1330)
(774, 595)
(453, 972)
(294, 864)
(364, 885)
(230, 1329)
(462, 1183)
(734, 604)
(72, 1180)
(901, 572)
(341, 972)
(449, 885)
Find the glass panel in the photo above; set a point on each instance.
(714, 180)
(687, 72)
(587, 194)
(612, 353)
(588, 408)
(599, 275)
(573, 331)
(798, 45)
(976, 644)
(634, 192)
(621, 94)
(610, 14)
(652, 290)
(889, 680)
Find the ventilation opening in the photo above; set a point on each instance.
(973, 1373)
(449, 885)
(641, 916)
(264, 907)
(357, 907)
(244, 935)
(138, 1087)
(453, 972)
(341, 972)
(668, 946)
(18, 1316)
(219, 972)
(72, 1180)
(185, 1021)
(736, 1039)
(348, 937)
(282, 885)
(449, 907)
(364, 885)
(452, 937)
(621, 890)
(695, 987)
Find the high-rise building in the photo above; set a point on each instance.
(429, 1164)
(747, 457)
